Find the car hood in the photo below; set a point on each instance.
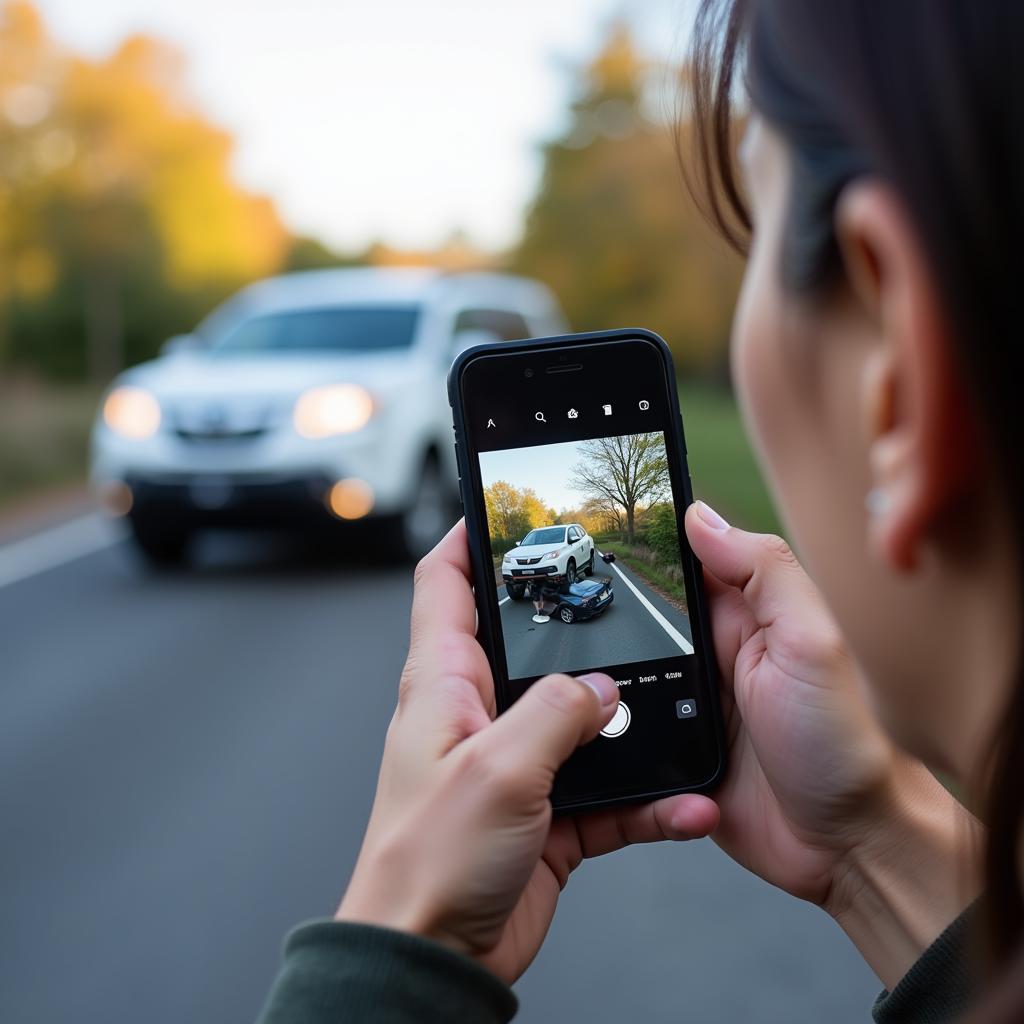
(198, 375)
(534, 550)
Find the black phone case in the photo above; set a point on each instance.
(479, 542)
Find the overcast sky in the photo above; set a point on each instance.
(401, 119)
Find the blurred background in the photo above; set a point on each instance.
(187, 758)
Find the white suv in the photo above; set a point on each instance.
(310, 397)
(555, 553)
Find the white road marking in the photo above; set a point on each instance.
(47, 550)
(660, 619)
(504, 601)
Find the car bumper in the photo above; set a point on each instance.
(582, 614)
(519, 578)
(234, 501)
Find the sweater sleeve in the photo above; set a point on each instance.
(334, 972)
(939, 987)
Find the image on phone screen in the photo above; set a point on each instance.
(569, 600)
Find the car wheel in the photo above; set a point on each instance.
(570, 571)
(429, 517)
(161, 543)
(515, 593)
(589, 567)
(566, 614)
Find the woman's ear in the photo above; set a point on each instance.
(919, 429)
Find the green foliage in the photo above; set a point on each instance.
(722, 465)
(662, 533)
(512, 512)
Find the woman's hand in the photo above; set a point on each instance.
(818, 800)
(461, 846)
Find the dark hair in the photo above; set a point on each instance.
(929, 96)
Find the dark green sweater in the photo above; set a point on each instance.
(347, 972)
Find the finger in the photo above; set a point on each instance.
(446, 691)
(759, 565)
(443, 594)
(689, 816)
(675, 819)
(554, 716)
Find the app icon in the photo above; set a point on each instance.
(490, 424)
(607, 410)
(645, 405)
(539, 417)
(573, 414)
(686, 708)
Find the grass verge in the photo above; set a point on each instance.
(722, 464)
(44, 437)
(641, 560)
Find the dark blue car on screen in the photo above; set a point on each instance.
(584, 600)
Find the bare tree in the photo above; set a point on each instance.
(623, 473)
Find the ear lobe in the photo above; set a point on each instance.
(921, 433)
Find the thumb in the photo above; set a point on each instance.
(550, 720)
(761, 565)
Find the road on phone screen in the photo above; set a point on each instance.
(639, 625)
(187, 762)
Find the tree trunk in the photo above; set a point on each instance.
(630, 524)
(104, 326)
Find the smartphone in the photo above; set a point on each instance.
(574, 482)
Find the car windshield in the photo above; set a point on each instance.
(549, 535)
(338, 329)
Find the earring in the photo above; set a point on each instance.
(877, 502)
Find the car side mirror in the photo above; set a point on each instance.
(181, 343)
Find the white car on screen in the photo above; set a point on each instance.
(557, 554)
(306, 399)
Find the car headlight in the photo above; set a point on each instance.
(132, 412)
(507, 558)
(331, 410)
(552, 554)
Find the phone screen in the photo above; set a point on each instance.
(577, 483)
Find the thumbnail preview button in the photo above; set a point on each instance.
(619, 723)
(686, 708)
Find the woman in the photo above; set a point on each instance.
(878, 361)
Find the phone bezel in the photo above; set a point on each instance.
(479, 543)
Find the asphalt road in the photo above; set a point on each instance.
(639, 625)
(186, 765)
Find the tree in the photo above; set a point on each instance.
(120, 219)
(663, 532)
(604, 514)
(513, 511)
(624, 473)
(612, 229)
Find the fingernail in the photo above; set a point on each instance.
(711, 517)
(604, 686)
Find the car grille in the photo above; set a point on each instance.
(527, 561)
(220, 435)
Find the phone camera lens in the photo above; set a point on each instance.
(528, 373)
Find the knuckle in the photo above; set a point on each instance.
(776, 549)
(422, 570)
